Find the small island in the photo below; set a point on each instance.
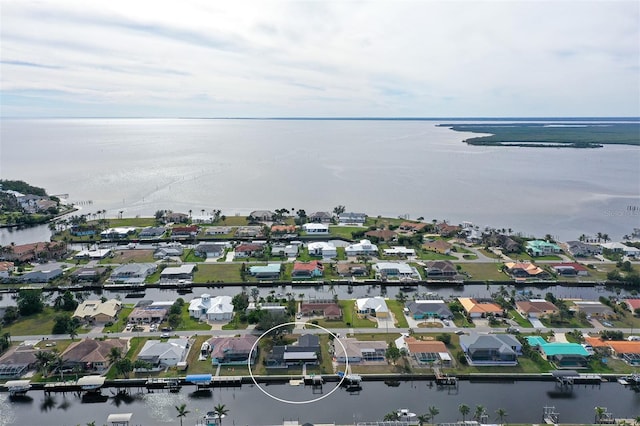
(22, 204)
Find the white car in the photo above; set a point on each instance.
(164, 336)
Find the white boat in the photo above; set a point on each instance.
(405, 414)
(91, 383)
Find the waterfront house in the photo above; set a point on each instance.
(421, 309)
(320, 217)
(307, 269)
(580, 249)
(632, 304)
(249, 250)
(119, 233)
(593, 308)
(171, 217)
(228, 350)
(437, 246)
(446, 230)
(152, 232)
(177, 273)
(261, 216)
(97, 311)
(92, 354)
(168, 252)
(328, 310)
(537, 248)
(525, 270)
(210, 250)
(440, 269)
(508, 244)
(561, 354)
(83, 230)
(382, 235)
(88, 274)
(395, 270)
(6, 269)
(363, 248)
(218, 308)
(270, 271)
(283, 231)
(627, 351)
(164, 354)
(413, 226)
(425, 352)
(350, 218)
(218, 230)
(274, 308)
(96, 254)
(251, 231)
(184, 232)
(477, 308)
(570, 269)
(305, 351)
(322, 249)
(535, 308)
(357, 351)
(372, 306)
(622, 248)
(34, 251)
(286, 250)
(352, 269)
(148, 314)
(316, 228)
(491, 349)
(41, 276)
(400, 251)
(132, 273)
(18, 360)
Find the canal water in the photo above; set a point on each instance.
(247, 405)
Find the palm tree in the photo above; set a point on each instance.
(502, 413)
(220, 411)
(605, 237)
(422, 419)
(479, 413)
(464, 410)
(599, 413)
(115, 354)
(433, 412)
(392, 416)
(636, 421)
(43, 359)
(182, 412)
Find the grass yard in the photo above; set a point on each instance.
(429, 255)
(131, 221)
(217, 272)
(461, 321)
(344, 231)
(187, 323)
(120, 324)
(522, 322)
(484, 271)
(190, 256)
(41, 323)
(396, 308)
(235, 324)
(195, 366)
(129, 256)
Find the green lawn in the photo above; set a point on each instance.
(348, 317)
(217, 272)
(235, 324)
(189, 256)
(119, 325)
(429, 255)
(345, 231)
(396, 308)
(41, 323)
(461, 321)
(484, 271)
(526, 256)
(187, 323)
(522, 322)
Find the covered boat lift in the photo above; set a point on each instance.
(18, 387)
(91, 383)
(119, 419)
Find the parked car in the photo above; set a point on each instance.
(164, 336)
(606, 323)
(513, 330)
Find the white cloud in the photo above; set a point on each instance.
(320, 58)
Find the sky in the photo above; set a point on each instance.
(324, 58)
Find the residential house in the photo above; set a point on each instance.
(228, 350)
(270, 271)
(83, 230)
(395, 270)
(167, 252)
(621, 248)
(425, 352)
(6, 269)
(249, 250)
(477, 308)
(372, 306)
(382, 235)
(400, 251)
(305, 351)
(580, 249)
(152, 232)
(133, 273)
(34, 251)
(251, 231)
(283, 230)
(177, 273)
(570, 269)
(41, 276)
(320, 217)
(171, 217)
(218, 230)
(88, 274)
(437, 246)
(561, 354)
(164, 354)
(96, 254)
(261, 216)
(307, 269)
(542, 248)
(184, 232)
(413, 226)
(274, 308)
(323, 249)
(218, 308)
(628, 351)
(525, 270)
(148, 314)
(356, 351)
(210, 250)
(508, 244)
(440, 268)
(286, 250)
(352, 269)
(97, 311)
(92, 354)
(350, 218)
(491, 349)
(328, 310)
(119, 233)
(446, 230)
(316, 228)
(18, 360)
(633, 304)
(421, 309)
(364, 247)
(535, 308)
(593, 308)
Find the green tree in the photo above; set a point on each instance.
(220, 412)
(392, 353)
(30, 301)
(43, 359)
(433, 412)
(182, 411)
(392, 416)
(123, 366)
(11, 314)
(479, 413)
(268, 320)
(422, 419)
(114, 355)
(464, 410)
(140, 364)
(240, 302)
(502, 413)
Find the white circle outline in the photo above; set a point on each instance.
(286, 401)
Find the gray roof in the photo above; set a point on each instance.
(499, 342)
(429, 307)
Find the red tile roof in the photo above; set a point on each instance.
(308, 266)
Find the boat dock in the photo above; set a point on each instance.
(18, 387)
(445, 379)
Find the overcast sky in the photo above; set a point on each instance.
(268, 58)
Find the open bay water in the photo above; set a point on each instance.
(380, 167)
(523, 401)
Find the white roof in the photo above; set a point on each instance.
(315, 226)
(119, 417)
(219, 304)
(178, 270)
(91, 308)
(321, 245)
(376, 303)
(91, 381)
(402, 268)
(399, 250)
